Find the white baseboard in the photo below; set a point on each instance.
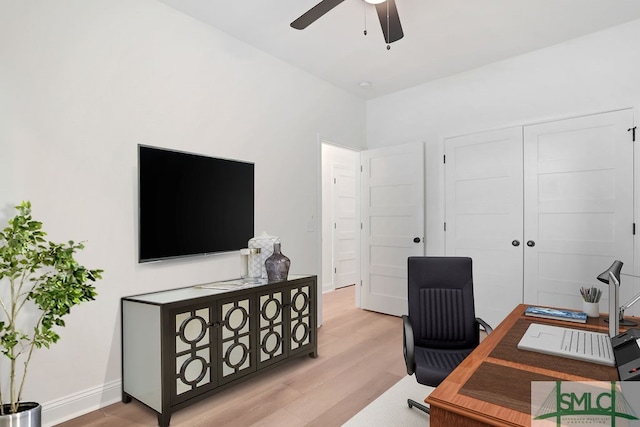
(75, 405)
(327, 287)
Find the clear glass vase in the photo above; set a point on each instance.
(277, 265)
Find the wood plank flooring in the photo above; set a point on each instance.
(360, 357)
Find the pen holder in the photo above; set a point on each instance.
(591, 308)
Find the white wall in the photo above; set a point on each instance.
(81, 84)
(591, 74)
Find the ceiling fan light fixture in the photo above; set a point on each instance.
(385, 9)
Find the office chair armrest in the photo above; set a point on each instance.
(488, 329)
(408, 345)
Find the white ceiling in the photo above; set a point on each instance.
(441, 37)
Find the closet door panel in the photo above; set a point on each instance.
(483, 174)
(578, 206)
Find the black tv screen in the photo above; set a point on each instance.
(191, 204)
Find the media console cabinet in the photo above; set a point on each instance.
(182, 345)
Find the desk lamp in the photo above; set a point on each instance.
(611, 276)
(621, 320)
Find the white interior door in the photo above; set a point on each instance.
(392, 212)
(483, 175)
(578, 206)
(346, 226)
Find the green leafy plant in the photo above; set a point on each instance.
(40, 273)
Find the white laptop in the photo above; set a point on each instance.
(577, 344)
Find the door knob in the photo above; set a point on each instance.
(516, 243)
(531, 243)
(416, 240)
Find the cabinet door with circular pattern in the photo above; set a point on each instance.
(193, 347)
(272, 327)
(236, 338)
(302, 318)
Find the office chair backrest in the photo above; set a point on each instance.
(441, 308)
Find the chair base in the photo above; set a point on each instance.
(420, 406)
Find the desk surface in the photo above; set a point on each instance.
(492, 386)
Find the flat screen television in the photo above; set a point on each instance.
(191, 204)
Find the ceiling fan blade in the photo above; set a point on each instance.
(310, 16)
(393, 31)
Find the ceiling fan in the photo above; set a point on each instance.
(387, 14)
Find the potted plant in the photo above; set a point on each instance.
(41, 277)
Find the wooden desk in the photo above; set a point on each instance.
(492, 386)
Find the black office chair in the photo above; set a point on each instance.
(441, 328)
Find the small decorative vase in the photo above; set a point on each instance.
(277, 265)
(265, 243)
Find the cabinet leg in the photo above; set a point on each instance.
(126, 398)
(314, 354)
(163, 420)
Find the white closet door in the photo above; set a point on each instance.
(483, 174)
(392, 211)
(578, 206)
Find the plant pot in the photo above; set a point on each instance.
(28, 415)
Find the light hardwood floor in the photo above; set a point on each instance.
(360, 357)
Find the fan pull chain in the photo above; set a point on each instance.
(388, 29)
(365, 17)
